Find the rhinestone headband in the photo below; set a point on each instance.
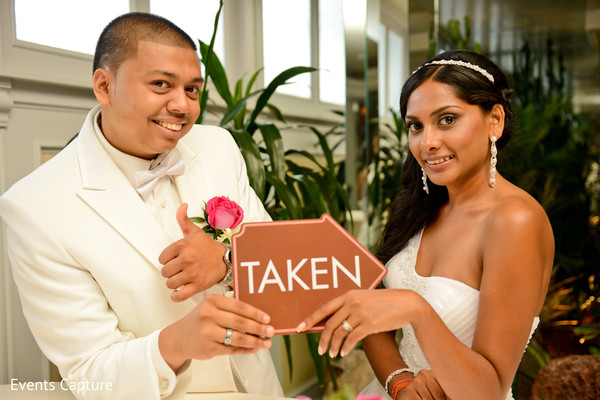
(462, 64)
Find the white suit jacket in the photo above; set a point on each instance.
(84, 253)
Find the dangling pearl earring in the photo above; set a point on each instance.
(493, 162)
(424, 178)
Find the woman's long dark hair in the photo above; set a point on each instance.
(413, 209)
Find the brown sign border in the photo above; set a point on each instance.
(324, 219)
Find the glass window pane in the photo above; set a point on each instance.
(332, 52)
(382, 71)
(46, 22)
(196, 18)
(286, 43)
(395, 67)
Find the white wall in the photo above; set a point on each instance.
(41, 117)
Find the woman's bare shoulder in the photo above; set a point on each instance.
(516, 206)
(517, 214)
(518, 242)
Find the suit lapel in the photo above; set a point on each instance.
(106, 190)
(193, 186)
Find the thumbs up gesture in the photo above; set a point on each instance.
(194, 263)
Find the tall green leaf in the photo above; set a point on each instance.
(203, 99)
(279, 80)
(237, 108)
(252, 80)
(274, 145)
(327, 153)
(216, 72)
(312, 340)
(276, 112)
(307, 155)
(287, 196)
(314, 192)
(254, 162)
(320, 361)
(288, 349)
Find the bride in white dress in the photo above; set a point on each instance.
(468, 254)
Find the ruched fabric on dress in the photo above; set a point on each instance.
(455, 302)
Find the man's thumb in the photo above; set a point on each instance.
(186, 224)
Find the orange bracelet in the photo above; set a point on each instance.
(399, 386)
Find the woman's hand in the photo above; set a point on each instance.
(424, 386)
(365, 312)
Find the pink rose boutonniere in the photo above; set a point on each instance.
(222, 217)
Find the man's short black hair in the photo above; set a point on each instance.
(119, 39)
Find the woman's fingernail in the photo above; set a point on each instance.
(300, 327)
(270, 331)
(321, 350)
(266, 319)
(342, 353)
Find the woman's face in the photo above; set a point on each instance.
(448, 137)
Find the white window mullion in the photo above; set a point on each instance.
(243, 39)
(332, 53)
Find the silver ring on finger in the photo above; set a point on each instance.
(347, 327)
(228, 336)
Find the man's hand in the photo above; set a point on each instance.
(194, 263)
(201, 334)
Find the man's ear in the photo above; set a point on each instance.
(496, 118)
(102, 84)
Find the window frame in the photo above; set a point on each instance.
(242, 21)
(391, 22)
(310, 108)
(34, 62)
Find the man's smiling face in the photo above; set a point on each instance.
(151, 101)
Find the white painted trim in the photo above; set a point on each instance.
(43, 145)
(6, 102)
(7, 361)
(21, 101)
(5, 277)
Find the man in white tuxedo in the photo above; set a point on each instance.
(86, 247)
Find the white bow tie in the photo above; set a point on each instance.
(145, 181)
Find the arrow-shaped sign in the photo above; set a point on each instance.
(290, 268)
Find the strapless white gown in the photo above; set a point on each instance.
(455, 302)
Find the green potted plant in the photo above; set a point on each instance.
(289, 189)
